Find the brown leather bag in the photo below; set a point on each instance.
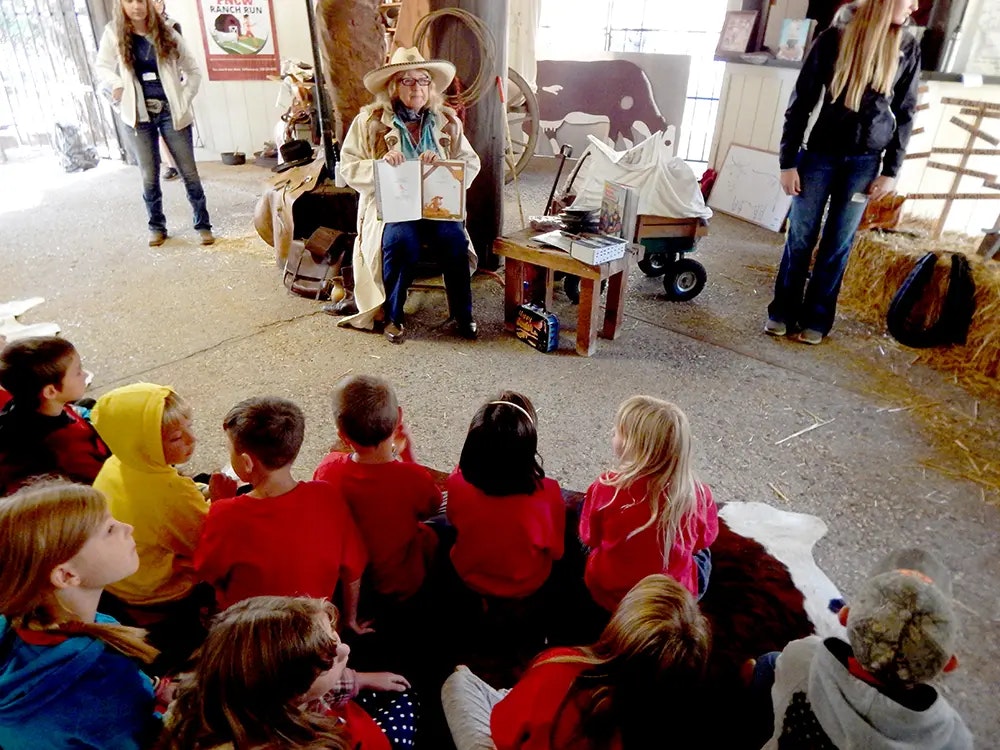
(313, 268)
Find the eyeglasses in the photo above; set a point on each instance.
(411, 82)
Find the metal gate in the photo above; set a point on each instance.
(46, 56)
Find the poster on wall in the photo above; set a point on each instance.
(239, 39)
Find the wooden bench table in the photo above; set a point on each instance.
(529, 273)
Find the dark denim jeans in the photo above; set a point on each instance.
(447, 243)
(823, 178)
(147, 152)
(703, 564)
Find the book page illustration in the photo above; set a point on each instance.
(443, 190)
(397, 191)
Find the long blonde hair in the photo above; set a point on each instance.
(652, 654)
(868, 53)
(162, 35)
(42, 526)
(656, 447)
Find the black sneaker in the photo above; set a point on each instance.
(171, 174)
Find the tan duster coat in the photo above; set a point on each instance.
(371, 136)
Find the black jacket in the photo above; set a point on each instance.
(882, 123)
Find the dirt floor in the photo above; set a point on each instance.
(886, 467)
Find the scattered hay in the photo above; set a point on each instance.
(877, 268)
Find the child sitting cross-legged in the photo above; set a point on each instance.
(390, 496)
(69, 676)
(635, 688)
(873, 691)
(273, 674)
(149, 429)
(40, 433)
(285, 537)
(650, 514)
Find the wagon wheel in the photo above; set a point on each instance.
(522, 116)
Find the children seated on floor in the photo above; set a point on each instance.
(69, 677)
(273, 673)
(509, 518)
(284, 537)
(650, 514)
(389, 495)
(636, 687)
(40, 432)
(148, 428)
(873, 691)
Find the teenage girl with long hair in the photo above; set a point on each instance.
(151, 77)
(620, 693)
(509, 518)
(69, 677)
(650, 514)
(273, 674)
(869, 69)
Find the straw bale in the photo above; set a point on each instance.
(880, 262)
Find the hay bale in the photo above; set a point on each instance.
(880, 262)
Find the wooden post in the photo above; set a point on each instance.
(451, 40)
(966, 152)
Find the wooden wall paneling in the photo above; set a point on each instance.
(729, 111)
(747, 115)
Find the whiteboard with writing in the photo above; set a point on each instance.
(748, 187)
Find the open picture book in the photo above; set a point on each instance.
(414, 190)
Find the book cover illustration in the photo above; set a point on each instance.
(414, 190)
(618, 210)
(796, 33)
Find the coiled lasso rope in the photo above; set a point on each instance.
(483, 79)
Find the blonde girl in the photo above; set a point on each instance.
(650, 514)
(68, 676)
(619, 692)
(867, 69)
(273, 674)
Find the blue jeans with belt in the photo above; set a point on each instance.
(448, 245)
(805, 301)
(147, 152)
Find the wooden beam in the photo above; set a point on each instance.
(958, 170)
(975, 129)
(970, 103)
(918, 155)
(972, 151)
(969, 111)
(953, 196)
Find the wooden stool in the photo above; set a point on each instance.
(529, 273)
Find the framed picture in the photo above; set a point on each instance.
(796, 33)
(736, 31)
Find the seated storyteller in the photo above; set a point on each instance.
(284, 537)
(273, 674)
(389, 495)
(873, 691)
(639, 682)
(408, 120)
(40, 432)
(69, 676)
(148, 427)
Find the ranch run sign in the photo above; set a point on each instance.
(239, 38)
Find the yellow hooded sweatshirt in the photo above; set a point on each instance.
(166, 509)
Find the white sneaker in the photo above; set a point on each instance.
(775, 328)
(810, 336)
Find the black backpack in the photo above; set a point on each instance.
(957, 307)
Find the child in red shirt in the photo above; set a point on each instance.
(620, 693)
(651, 514)
(40, 433)
(271, 674)
(509, 518)
(389, 495)
(285, 537)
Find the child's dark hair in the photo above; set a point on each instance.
(366, 409)
(500, 455)
(268, 428)
(28, 365)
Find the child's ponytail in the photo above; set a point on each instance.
(42, 526)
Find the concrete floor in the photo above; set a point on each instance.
(216, 324)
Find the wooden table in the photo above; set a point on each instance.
(529, 273)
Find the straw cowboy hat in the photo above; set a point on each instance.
(441, 71)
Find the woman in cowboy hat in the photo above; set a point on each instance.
(407, 120)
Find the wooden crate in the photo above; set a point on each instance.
(662, 226)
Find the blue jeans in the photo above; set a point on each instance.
(703, 564)
(147, 152)
(823, 178)
(447, 243)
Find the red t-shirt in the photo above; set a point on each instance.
(523, 719)
(388, 502)
(617, 561)
(297, 544)
(505, 545)
(362, 731)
